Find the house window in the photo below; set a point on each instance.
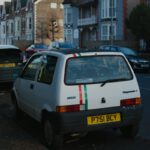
(108, 8)
(68, 35)
(7, 28)
(106, 31)
(30, 23)
(53, 5)
(68, 15)
(18, 25)
(23, 23)
(12, 27)
(4, 29)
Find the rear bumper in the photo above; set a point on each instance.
(77, 121)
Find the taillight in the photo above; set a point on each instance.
(70, 108)
(130, 102)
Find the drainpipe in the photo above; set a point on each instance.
(111, 36)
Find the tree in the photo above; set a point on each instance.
(53, 28)
(139, 23)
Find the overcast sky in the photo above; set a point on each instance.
(2, 1)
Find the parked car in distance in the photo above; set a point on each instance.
(10, 63)
(35, 48)
(138, 63)
(74, 91)
(61, 45)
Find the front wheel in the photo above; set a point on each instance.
(52, 140)
(130, 131)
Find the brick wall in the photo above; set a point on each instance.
(43, 15)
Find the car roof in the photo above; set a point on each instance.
(77, 51)
(8, 46)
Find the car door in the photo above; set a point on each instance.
(44, 90)
(26, 84)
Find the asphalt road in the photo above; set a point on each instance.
(144, 83)
(26, 134)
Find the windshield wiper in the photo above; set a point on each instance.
(113, 80)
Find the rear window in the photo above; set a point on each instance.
(10, 55)
(97, 69)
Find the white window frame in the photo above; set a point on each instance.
(53, 5)
(107, 36)
(68, 15)
(106, 9)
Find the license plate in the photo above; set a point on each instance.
(8, 65)
(101, 119)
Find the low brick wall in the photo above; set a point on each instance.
(95, 44)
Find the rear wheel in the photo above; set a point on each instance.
(52, 139)
(130, 131)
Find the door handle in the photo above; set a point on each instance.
(31, 86)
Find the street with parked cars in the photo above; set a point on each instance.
(27, 133)
(70, 95)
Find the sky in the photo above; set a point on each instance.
(2, 1)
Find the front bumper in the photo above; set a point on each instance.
(74, 122)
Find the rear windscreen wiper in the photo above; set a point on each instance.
(113, 80)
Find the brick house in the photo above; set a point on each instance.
(48, 21)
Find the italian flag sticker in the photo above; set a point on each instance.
(83, 96)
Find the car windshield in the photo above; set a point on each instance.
(128, 51)
(97, 69)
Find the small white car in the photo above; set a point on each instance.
(73, 91)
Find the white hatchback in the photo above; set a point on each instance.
(73, 91)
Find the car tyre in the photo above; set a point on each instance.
(52, 140)
(130, 131)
